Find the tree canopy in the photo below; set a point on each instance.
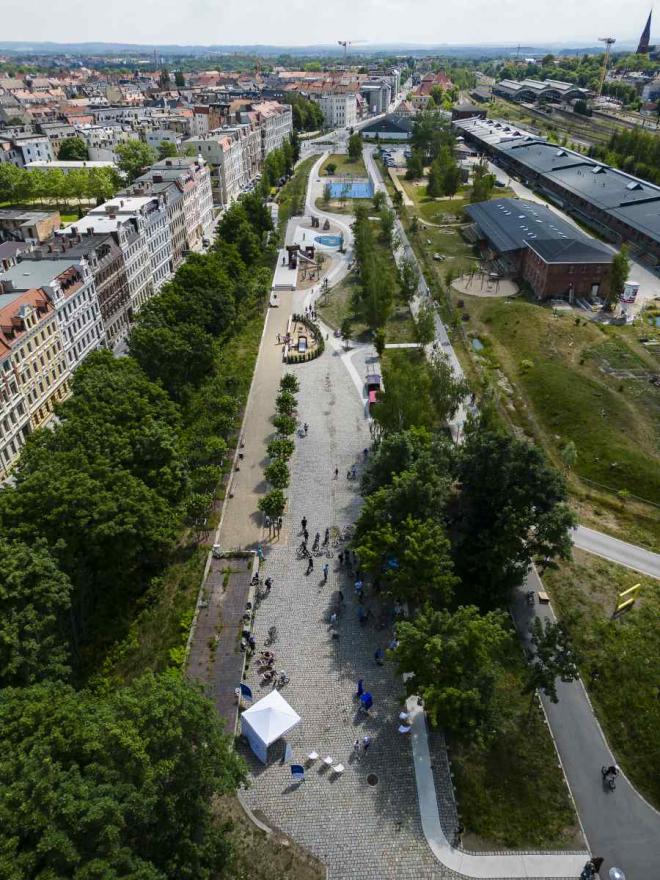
(113, 785)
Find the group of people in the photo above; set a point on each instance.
(273, 524)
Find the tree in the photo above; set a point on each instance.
(451, 179)
(179, 79)
(133, 157)
(277, 474)
(387, 220)
(286, 403)
(552, 659)
(483, 183)
(35, 597)
(619, 271)
(415, 166)
(117, 783)
(355, 146)
(346, 328)
(434, 187)
(289, 382)
(180, 357)
(330, 168)
(73, 149)
(286, 425)
(413, 560)
(282, 449)
(455, 660)
(272, 504)
(512, 508)
(327, 194)
(409, 278)
(166, 150)
(425, 325)
(380, 340)
(378, 200)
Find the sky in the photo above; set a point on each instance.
(304, 22)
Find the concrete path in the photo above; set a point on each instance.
(629, 555)
(620, 826)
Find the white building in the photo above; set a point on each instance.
(339, 108)
(224, 149)
(151, 215)
(276, 123)
(20, 151)
(102, 140)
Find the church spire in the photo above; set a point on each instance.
(645, 39)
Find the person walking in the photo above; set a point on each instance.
(279, 524)
(310, 565)
(336, 473)
(341, 597)
(306, 428)
(366, 742)
(303, 523)
(360, 688)
(326, 568)
(306, 535)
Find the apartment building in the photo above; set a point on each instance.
(102, 140)
(17, 224)
(32, 343)
(151, 214)
(69, 286)
(191, 178)
(339, 108)
(22, 149)
(223, 150)
(276, 123)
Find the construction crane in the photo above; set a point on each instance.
(609, 42)
(346, 44)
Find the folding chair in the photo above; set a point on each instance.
(298, 772)
(328, 761)
(338, 769)
(313, 756)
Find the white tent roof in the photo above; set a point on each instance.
(270, 718)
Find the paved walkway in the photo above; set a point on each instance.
(365, 823)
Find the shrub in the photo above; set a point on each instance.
(285, 403)
(283, 449)
(285, 424)
(277, 474)
(288, 382)
(272, 504)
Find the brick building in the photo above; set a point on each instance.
(532, 242)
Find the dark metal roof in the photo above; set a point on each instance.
(511, 224)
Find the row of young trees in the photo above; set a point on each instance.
(450, 531)
(281, 448)
(93, 517)
(56, 187)
(374, 295)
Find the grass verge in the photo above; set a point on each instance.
(619, 659)
(291, 198)
(499, 786)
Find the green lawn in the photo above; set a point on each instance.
(623, 654)
(511, 793)
(442, 210)
(291, 198)
(348, 207)
(345, 166)
(555, 362)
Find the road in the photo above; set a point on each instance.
(629, 555)
(620, 825)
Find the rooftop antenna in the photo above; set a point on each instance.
(609, 42)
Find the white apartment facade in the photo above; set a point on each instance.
(339, 108)
(20, 151)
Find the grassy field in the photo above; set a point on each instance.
(549, 370)
(499, 786)
(345, 166)
(348, 207)
(620, 660)
(442, 210)
(291, 198)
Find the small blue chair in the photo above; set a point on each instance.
(298, 772)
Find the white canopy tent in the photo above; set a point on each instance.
(267, 721)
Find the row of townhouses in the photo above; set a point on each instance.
(81, 288)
